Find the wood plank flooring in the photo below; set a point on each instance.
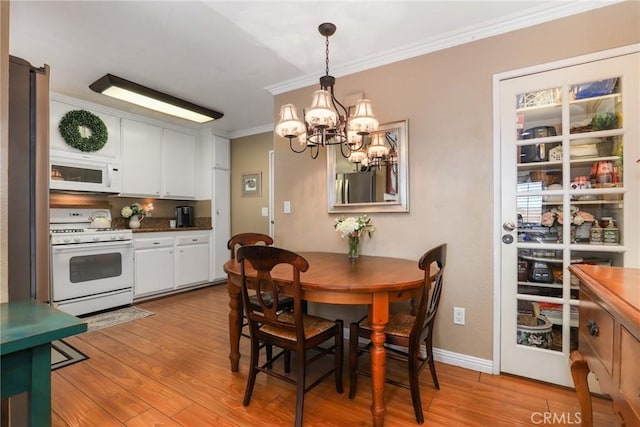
(172, 369)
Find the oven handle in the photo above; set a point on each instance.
(74, 246)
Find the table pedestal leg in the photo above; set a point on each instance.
(379, 316)
(235, 324)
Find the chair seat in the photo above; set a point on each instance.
(399, 324)
(313, 326)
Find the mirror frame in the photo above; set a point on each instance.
(401, 205)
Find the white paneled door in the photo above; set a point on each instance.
(569, 194)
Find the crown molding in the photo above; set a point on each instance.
(528, 18)
(252, 131)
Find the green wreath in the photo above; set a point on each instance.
(70, 130)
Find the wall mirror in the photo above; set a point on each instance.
(374, 180)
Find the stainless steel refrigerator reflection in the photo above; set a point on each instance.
(359, 187)
(28, 181)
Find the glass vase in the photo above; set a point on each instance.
(354, 248)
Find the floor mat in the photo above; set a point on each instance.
(63, 354)
(114, 317)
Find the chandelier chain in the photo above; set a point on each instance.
(327, 56)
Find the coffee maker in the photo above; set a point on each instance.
(184, 216)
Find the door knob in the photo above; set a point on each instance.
(509, 226)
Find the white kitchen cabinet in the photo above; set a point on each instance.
(141, 159)
(157, 162)
(221, 152)
(221, 218)
(153, 265)
(179, 165)
(111, 149)
(167, 261)
(192, 259)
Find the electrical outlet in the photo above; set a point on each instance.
(458, 316)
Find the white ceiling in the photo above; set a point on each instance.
(231, 56)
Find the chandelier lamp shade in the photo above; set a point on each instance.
(327, 121)
(377, 150)
(134, 93)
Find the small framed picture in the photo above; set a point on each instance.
(252, 184)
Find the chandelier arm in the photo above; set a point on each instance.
(346, 156)
(317, 151)
(335, 101)
(293, 149)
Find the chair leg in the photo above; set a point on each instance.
(339, 355)
(253, 371)
(432, 364)
(287, 361)
(414, 384)
(353, 359)
(269, 351)
(300, 385)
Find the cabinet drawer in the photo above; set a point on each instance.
(192, 240)
(598, 344)
(630, 370)
(152, 243)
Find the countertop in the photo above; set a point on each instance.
(157, 224)
(163, 229)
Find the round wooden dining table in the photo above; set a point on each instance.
(332, 278)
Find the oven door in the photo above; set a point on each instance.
(91, 268)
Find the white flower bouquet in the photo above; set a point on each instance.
(134, 209)
(354, 227)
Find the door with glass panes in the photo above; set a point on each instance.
(570, 194)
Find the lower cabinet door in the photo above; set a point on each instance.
(154, 271)
(192, 264)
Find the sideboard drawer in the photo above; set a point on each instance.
(596, 332)
(630, 370)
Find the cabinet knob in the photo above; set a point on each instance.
(593, 328)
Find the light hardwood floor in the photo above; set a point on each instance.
(172, 369)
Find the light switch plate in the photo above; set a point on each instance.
(265, 211)
(287, 206)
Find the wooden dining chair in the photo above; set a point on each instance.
(243, 239)
(406, 333)
(293, 332)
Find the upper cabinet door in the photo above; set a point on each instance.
(221, 153)
(141, 158)
(111, 148)
(179, 165)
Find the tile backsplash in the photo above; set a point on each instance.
(162, 208)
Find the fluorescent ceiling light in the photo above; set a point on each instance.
(143, 96)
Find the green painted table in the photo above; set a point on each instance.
(26, 331)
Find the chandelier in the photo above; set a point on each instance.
(327, 121)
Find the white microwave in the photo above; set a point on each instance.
(77, 172)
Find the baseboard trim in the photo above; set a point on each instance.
(463, 360)
(455, 359)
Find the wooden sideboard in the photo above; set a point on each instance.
(609, 339)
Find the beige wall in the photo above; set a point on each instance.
(447, 98)
(250, 154)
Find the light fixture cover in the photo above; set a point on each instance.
(143, 96)
(289, 125)
(321, 113)
(363, 122)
